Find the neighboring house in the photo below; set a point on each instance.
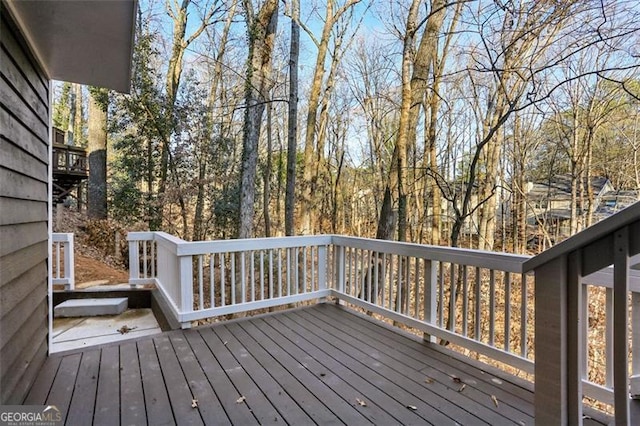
(87, 42)
(549, 203)
(614, 201)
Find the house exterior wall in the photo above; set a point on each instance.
(24, 195)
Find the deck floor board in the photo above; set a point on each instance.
(42, 385)
(132, 408)
(247, 390)
(301, 371)
(84, 395)
(63, 385)
(504, 390)
(180, 395)
(314, 407)
(219, 381)
(436, 394)
(316, 365)
(108, 393)
(203, 395)
(429, 406)
(441, 378)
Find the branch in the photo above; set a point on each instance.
(206, 21)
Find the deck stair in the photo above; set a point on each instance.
(91, 307)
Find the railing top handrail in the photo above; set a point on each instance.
(486, 259)
(61, 237)
(143, 235)
(224, 246)
(63, 147)
(189, 248)
(589, 235)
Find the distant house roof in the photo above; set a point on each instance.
(559, 187)
(81, 41)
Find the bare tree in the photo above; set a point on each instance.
(292, 123)
(313, 153)
(261, 31)
(179, 14)
(215, 93)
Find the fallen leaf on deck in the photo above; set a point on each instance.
(428, 380)
(194, 403)
(361, 402)
(125, 329)
(412, 407)
(241, 400)
(462, 387)
(495, 400)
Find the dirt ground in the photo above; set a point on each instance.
(93, 267)
(90, 270)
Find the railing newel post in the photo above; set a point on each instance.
(134, 262)
(69, 262)
(620, 324)
(339, 259)
(430, 296)
(185, 274)
(558, 385)
(322, 268)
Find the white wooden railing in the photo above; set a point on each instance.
(205, 279)
(412, 284)
(420, 286)
(63, 264)
(592, 272)
(505, 307)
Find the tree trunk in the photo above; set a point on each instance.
(261, 30)
(179, 15)
(487, 220)
(292, 132)
(266, 193)
(78, 122)
(73, 105)
(198, 228)
(97, 194)
(311, 152)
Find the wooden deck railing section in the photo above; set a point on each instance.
(606, 256)
(502, 306)
(62, 260)
(69, 160)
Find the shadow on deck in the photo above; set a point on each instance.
(323, 364)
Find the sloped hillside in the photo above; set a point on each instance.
(96, 258)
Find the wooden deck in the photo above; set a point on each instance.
(316, 365)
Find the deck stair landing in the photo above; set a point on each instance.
(91, 307)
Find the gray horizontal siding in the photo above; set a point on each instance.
(24, 158)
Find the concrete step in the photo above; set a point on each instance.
(91, 307)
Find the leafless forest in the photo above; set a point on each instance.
(499, 125)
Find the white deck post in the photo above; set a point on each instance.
(430, 296)
(185, 263)
(322, 268)
(69, 262)
(338, 279)
(134, 262)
